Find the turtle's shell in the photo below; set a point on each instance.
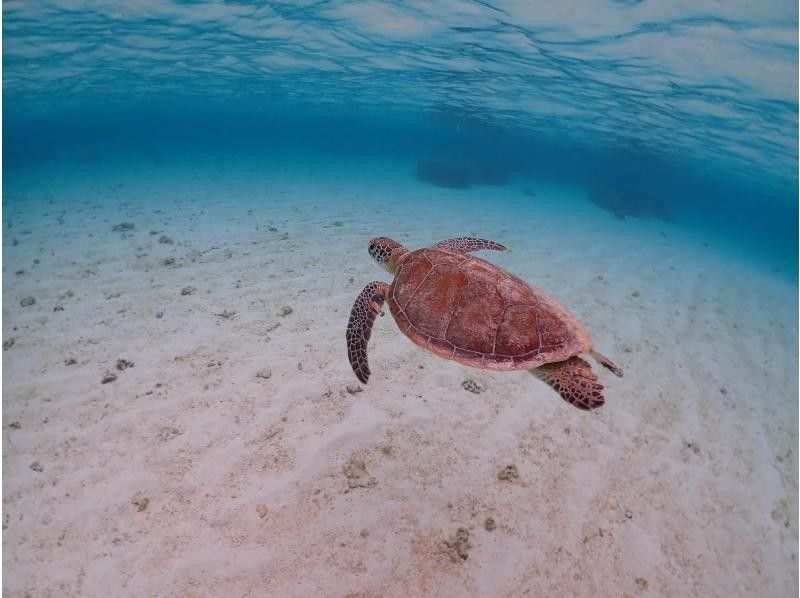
(464, 308)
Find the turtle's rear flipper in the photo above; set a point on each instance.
(468, 244)
(574, 380)
(366, 308)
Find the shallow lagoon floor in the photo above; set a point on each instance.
(237, 454)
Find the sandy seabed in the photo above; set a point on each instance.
(237, 455)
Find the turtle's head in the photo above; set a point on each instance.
(386, 252)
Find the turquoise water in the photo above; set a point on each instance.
(687, 113)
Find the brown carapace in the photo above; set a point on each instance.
(463, 308)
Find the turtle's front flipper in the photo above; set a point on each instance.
(574, 380)
(366, 308)
(468, 244)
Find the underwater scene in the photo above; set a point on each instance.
(389, 299)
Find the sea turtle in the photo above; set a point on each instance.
(463, 308)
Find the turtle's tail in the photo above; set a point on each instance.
(606, 362)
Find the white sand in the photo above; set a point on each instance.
(683, 484)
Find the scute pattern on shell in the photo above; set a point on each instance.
(464, 308)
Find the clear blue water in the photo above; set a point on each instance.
(690, 106)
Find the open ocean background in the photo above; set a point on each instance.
(683, 111)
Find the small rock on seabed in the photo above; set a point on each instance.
(357, 476)
(140, 502)
(457, 548)
(472, 386)
(508, 473)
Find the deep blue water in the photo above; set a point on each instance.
(685, 112)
